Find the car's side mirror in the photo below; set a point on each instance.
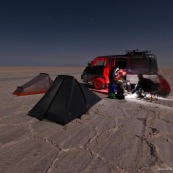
(89, 64)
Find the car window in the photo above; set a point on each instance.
(139, 65)
(98, 62)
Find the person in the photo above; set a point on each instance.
(113, 74)
(143, 85)
(120, 90)
(164, 88)
(115, 87)
(121, 77)
(120, 74)
(112, 90)
(112, 83)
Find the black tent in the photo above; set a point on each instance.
(65, 100)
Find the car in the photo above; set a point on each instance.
(132, 62)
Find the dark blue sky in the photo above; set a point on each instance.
(66, 32)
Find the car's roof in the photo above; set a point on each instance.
(126, 56)
(113, 56)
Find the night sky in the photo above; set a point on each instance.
(73, 32)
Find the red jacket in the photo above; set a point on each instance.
(164, 86)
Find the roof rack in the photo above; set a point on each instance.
(136, 52)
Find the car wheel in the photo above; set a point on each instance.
(99, 83)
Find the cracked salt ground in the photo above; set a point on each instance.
(114, 136)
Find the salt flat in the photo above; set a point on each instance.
(114, 136)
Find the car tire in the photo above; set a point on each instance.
(99, 83)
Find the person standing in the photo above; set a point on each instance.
(113, 74)
(112, 83)
(115, 88)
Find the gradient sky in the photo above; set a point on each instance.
(73, 32)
